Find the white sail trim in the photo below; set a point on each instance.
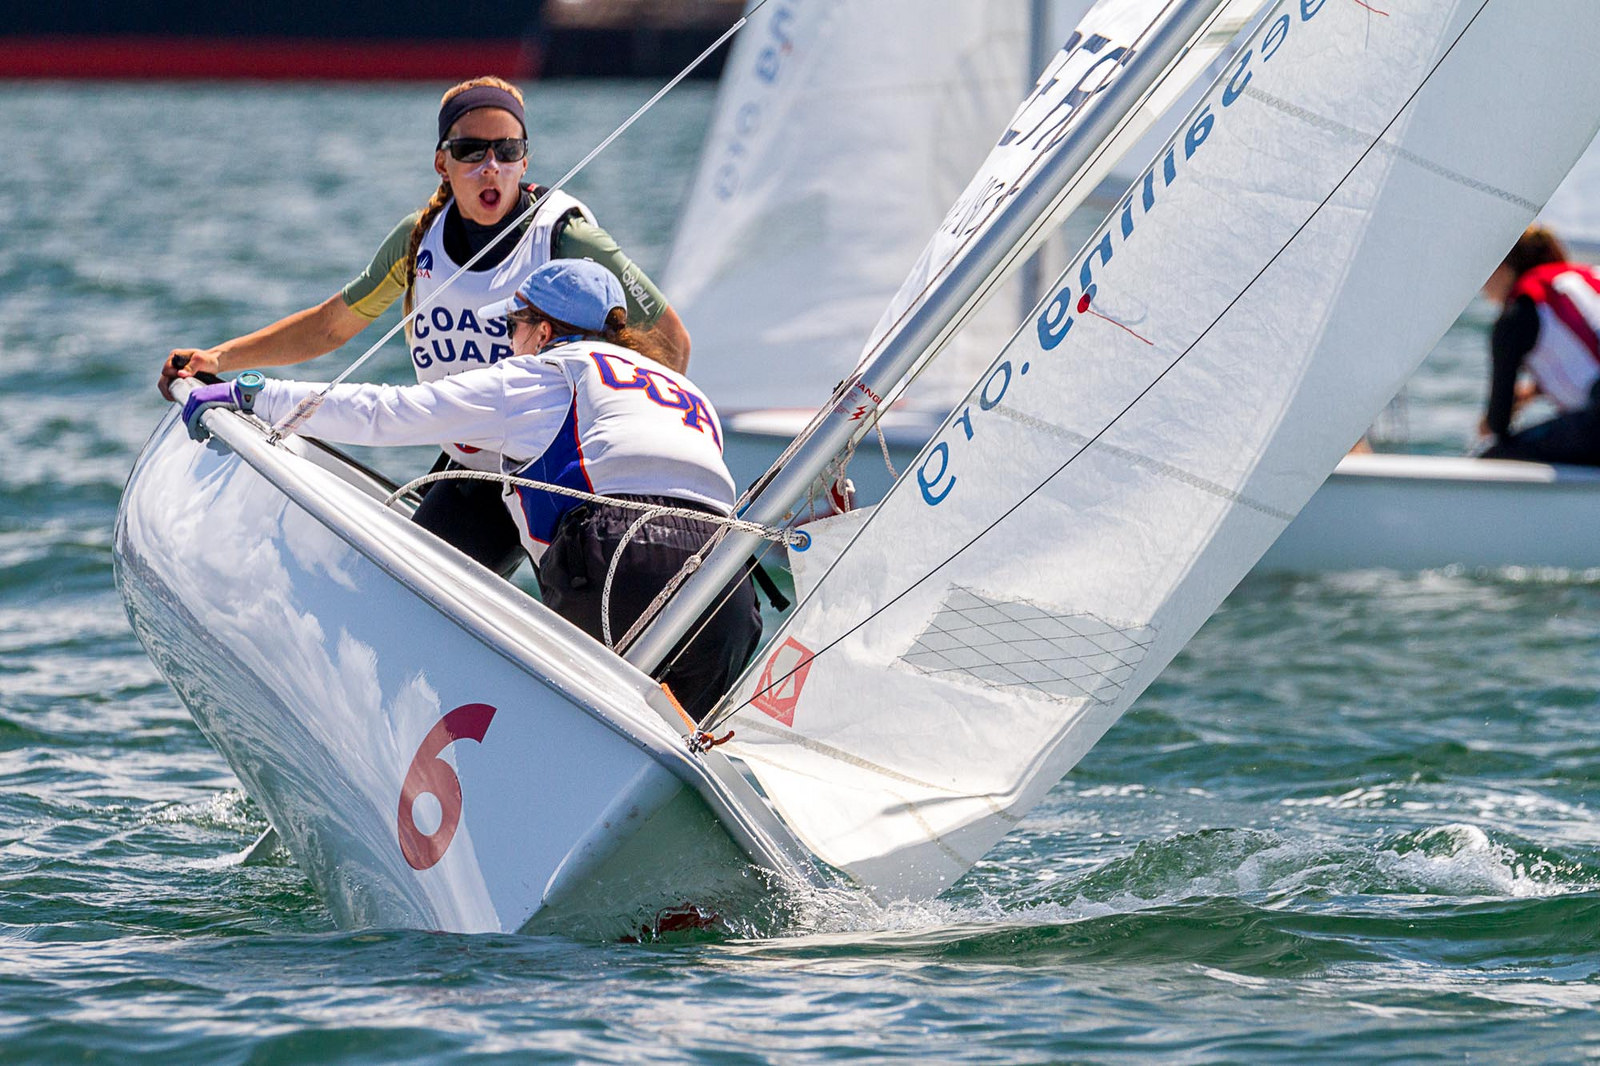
(1317, 224)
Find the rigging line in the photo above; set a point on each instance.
(716, 719)
(291, 422)
(844, 387)
(722, 521)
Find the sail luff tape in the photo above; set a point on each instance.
(307, 407)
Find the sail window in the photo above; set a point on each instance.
(1013, 643)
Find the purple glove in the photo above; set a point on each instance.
(203, 399)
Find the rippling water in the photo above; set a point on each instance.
(1352, 821)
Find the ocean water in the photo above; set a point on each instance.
(1353, 821)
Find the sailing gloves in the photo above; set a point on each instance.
(238, 394)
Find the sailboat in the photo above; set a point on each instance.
(766, 214)
(437, 750)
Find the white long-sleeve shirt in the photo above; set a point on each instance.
(586, 415)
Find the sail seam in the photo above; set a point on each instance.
(1155, 465)
(1322, 122)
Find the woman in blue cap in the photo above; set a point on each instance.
(585, 402)
(481, 158)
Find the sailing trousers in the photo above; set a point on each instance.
(1573, 437)
(572, 575)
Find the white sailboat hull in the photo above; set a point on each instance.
(1418, 512)
(350, 668)
(1395, 512)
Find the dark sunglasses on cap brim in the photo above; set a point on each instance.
(473, 149)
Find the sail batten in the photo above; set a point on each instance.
(1320, 219)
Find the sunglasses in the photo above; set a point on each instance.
(473, 149)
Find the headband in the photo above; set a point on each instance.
(472, 99)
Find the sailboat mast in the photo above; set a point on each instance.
(928, 323)
(1038, 50)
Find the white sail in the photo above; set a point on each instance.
(842, 133)
(1273, 278)
(1110, 32)
(1574, 210)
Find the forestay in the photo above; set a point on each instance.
(1266, 286)
(842, 132)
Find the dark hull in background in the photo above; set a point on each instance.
(358, 40)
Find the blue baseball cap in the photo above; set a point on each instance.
(579, 291)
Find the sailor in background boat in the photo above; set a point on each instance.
(586, 403)
(1549, 326)
(481, 157)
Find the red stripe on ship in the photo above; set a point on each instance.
(264, 58)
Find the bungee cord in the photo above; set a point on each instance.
(292, 422)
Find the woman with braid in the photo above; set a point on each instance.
(481, 157)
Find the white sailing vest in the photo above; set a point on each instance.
(446, 337)
(633, 428)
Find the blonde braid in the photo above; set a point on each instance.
(430, 210)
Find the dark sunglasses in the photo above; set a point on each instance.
(473, 149)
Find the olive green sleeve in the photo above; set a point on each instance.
(371, 292)
(581, 239)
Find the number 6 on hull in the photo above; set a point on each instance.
(431, 775)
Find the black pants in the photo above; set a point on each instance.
(572, 576)
(1570, 438)
(471, 517)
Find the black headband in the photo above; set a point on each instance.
(472, 99)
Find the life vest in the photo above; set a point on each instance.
(1565, 360)
(634, 427)
(446, 337)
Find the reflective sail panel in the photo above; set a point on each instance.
(843, 131)
(1268, 284)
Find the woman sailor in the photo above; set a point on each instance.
(481, 157)
(1549, 326)
(586, 403)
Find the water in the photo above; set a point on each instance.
(1352, 822)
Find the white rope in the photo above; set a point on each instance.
(791, 537)
(291, 422)
(611, 571)
(883, 442)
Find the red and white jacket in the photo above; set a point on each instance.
(1565, 360)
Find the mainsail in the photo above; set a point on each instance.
(1264, 288)
(842, 135)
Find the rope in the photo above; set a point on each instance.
(792, 537)
(307, 407)
(611, 571)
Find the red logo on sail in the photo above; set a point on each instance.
(779, 689)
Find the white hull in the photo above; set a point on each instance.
(1419, 512)
(320, 640)
(1397, 512)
